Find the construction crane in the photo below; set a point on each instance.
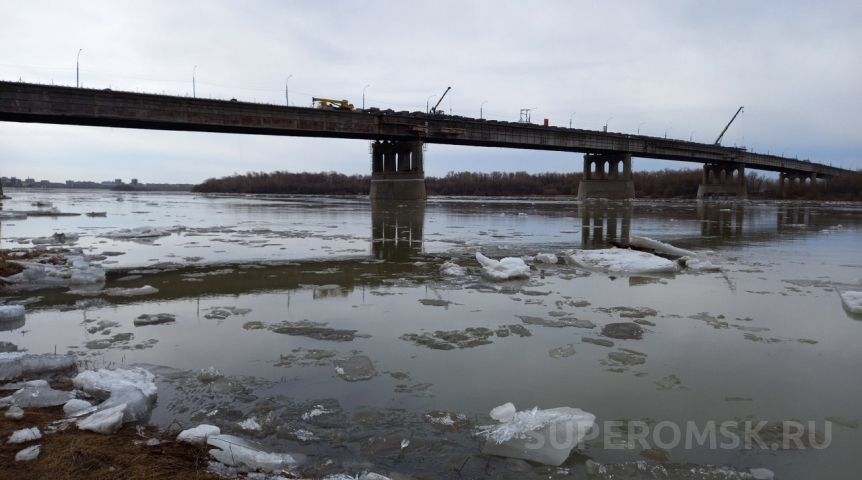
(718, 140)
(434, 108)
(330, 104)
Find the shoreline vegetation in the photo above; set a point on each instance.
(667, 183)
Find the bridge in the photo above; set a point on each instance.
(397, 162)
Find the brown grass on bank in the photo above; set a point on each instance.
(78, 454)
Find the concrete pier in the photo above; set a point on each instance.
(786, 179)
(607, 176)
(723, 180)
(397, 171)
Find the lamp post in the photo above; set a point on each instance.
(570, 119)
(194, 92)
(606, 123)
(480, 109)
(363, 96)
(77, 69)
(427, 103)
(286, 93)
(639, 128)
(665, 132)
(690, 135)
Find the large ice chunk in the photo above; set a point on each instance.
(503, 269)
(547, 258)
(660, 247)
(25, 435)
(11, 312)
(19, 364)
(104, 421)
(621, 261)
(697, 265)
(37, 396)
(134, 387)
(852, 301)
(504, 412)
(236, 452)
(543, 436)
(199, 434)
(451, 269)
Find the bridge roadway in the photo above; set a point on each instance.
(33, 103)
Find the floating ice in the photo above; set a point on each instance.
(199, 434)
(762, 473)
(29, 453)
(134, 387)
(546, 258)
(236, 452)
(19, 364)
(503, 269)
(11, 312)
(852, 301)
(621, 261)
(660, 247)
(104, 421)
(696, 265)
(528, 434)
(209, 374)
(76, 271)
(138, 232)
(25, 435)
(131, 292)
(156, 319)
(504, 412)
(451, 269)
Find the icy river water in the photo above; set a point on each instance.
(338, 335)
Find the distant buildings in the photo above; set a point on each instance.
(117, 184)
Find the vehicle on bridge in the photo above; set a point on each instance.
(330, 104)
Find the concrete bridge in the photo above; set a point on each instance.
(397, 162)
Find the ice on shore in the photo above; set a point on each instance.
(547, 258)
(137, 232)
(25, 435)
(11, 312)
(852, 301)
(543, 436)
(198, 435)
(451, 269)
(621, 261)
(75, 405)
(108, 420)
(697, 265)
(503, 269)
(76, 271)
(15, 365)
(660, 247)
(56, 239)
(37, 395)
(29, 453)
(134, 387)
(14, 413)
(244, 455)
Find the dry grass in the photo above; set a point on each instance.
(77, 454)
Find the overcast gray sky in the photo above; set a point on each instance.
(685, 66)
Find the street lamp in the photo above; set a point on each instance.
(692, 133)
(194, 92)
(665, 132)
(570, 119)
(77, 70)
(427, 103)
(363, 96)
(606, 123)
(639, 128)
(286, 94)
(480, 109)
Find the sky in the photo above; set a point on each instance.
(662, 68)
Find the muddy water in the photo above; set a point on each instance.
(309, 304)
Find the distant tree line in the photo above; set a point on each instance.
(665, 183)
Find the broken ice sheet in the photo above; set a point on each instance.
(355, 369)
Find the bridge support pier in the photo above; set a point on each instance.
(397, 171)
(604, 177)
(795, 178)
(723, 180)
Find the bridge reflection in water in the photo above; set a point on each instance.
(396, 229)
(603, 222)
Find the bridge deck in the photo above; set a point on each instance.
(32, 103)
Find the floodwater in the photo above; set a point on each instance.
(288, 296)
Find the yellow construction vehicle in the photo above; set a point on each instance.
(329, 104)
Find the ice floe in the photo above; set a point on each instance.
(108, 420)
(134, 387)
(237, 452)
(547, 258)
(621, 261)
(852, 301)
(198, 435)
(138, 232)
(503, 269)
(696, 265)
(11, 312)
(451, 269)
(519, 435)
(660, 247)
(76, 271)
(15, 365)
(147, 319)
(131, 292)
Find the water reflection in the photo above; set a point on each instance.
(605, 222)
(396, 229)
(721, 220)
